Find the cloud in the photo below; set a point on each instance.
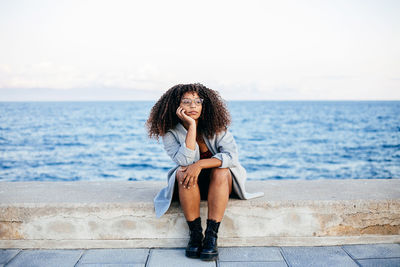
(64, 77)
(254, 50)
(49, 81)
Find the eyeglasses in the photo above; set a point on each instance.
(188, 101)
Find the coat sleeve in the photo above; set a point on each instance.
(226, 150)
(179, 153)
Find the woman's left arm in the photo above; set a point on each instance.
(193, 170)
(208, 163)
(226, 157)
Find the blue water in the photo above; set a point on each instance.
(70, 141)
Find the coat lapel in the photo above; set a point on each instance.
(208, 142)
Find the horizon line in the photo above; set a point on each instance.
(232, 100)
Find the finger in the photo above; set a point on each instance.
(195, 181)
(191, 182)
(187, 182)
(184, 181)
(183, 113)
(178, 112)
(180, 180)
(180, 177)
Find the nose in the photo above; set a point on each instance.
(192, 104)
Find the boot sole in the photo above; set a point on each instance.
(192, 254)
(208, 257)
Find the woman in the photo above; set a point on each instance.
(193, 123)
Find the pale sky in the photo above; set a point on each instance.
(246, 50)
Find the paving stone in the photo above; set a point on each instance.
(392, 262)
(317, 256)
(7, 254)
(366, 251)
(174, 257)
(250, 254)
(114, 256)
(40, 258)
(110, 265)
(253, 264)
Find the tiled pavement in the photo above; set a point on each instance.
(381, 255)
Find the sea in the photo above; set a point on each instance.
(97, 141)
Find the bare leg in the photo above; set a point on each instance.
(218, 193)
(189, 199)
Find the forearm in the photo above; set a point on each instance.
(191, 137)
(209, 163)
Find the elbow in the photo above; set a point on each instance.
(183, 161)
(184, 156)
(228, 161)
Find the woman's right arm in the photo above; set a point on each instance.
(191, 125)
(191, 137)
(182, 154)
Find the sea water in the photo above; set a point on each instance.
(71, 141)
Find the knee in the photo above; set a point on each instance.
(220, 176)
(179, 173)
(179, 176)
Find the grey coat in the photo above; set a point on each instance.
(222, 146)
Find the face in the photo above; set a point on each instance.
(192, 108)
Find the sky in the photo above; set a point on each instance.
(80, 50)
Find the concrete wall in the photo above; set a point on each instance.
(121, 214)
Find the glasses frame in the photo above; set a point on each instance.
(191, 101)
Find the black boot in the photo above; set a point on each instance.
(196, 237)
(210, 250)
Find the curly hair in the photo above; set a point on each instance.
(214, 117)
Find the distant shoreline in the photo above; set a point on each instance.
(152, 101)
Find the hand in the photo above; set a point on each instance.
(191, 174)
(181, 113)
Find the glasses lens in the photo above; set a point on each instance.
(186, 101)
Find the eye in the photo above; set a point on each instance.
(198, 101)
(186, 101)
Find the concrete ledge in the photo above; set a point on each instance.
(121, 215)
